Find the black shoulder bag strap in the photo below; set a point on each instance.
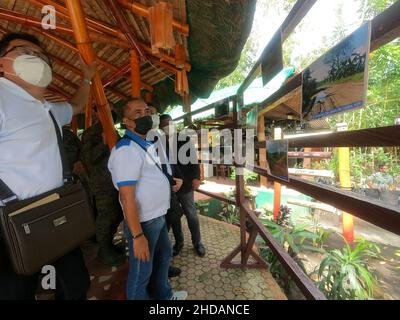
(8, 196)
(67, 174)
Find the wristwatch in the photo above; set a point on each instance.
(87, 81)
(137, 236)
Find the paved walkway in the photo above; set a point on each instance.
(201, 277)
(205, 280)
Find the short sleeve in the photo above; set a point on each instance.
(63, 112)
(125, 165)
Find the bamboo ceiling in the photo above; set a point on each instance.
(113, 52)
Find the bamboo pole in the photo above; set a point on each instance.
(69, 45)
(92, 23)
(12, 16)
(84, 45)
(135, 74)
(98, 25)
(126, 29)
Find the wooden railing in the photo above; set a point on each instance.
(385, 28)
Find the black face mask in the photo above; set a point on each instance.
(143, 125)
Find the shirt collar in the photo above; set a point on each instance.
(17, 90)
(144, 143)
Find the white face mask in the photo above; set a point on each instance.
(169, 130)
(156, 120)
(33, 70)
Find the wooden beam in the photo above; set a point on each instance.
(211, 106)
(296, 15)
(19, 18)
(98, 25)
(142, 10)
(79, 72)
(216, 196)
(70, 46)
(83, 43)
(126, 29)
(298, 12)
(371, 210)
(310, 155)
(92, 23)
(374, 137)
(385, 27)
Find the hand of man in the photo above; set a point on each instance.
(196, 184)
(78, 169)
(178, 185)
(141, 249)
(88, 71)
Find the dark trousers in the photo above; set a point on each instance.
(109, 216)
(173, 220)
(186, 200)
(72, 279)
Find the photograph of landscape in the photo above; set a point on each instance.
(338, 80)
(277, 158)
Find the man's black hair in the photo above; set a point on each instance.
(165, 116)
(5, 41)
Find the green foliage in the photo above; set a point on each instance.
(344, 274)
(230, 214)
(293, 239)
(322, 234)
(249, 176)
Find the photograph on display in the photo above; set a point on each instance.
(252, 119)
(272, 61)
(338, 81)
(277, 159)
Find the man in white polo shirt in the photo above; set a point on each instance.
(30, 162)
(144, 184)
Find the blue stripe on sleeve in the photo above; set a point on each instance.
(127, 183)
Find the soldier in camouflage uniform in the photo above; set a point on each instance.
(95, 154)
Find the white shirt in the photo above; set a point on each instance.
(130, 165)
(30, 162)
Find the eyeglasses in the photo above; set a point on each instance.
(29, 51)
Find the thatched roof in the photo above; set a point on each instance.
(218, 31)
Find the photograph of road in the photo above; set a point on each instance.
(338, 80)
(277, 158)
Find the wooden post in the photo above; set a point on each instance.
(85, 49)
(262, 152)
(307, 162)
(88, 112)
(135, 74)
(277, 185)
(345, 183)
